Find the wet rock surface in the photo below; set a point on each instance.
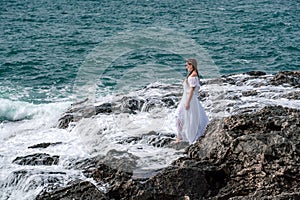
(257, 151)
(256, 73)
(75, 113)
(246, 89)
(287, 77)
(37, 159)
(249, 93)
(246, 156)
(153, 138)
(44, 145)
(281, 78)
(127, 104)
(130, 105)
(117, 160)
(77, 190)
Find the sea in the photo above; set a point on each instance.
(59, 52)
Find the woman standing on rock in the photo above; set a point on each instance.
(191, 119)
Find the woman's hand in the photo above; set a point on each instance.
(187, 106)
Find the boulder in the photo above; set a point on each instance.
(256, 73)
(259, 152)
(153, 138)
(249, 93)
(79, 111)
(37, 159)
(44, 145)
(286, 77)
(115, 165)
(78, 190)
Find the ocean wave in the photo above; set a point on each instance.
(12, 111)
(16, 110)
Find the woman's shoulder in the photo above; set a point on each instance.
(193, 80)
(194, 75)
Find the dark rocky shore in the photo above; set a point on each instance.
(250, 155)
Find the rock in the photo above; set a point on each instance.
(31, 178)
(37, 179)
(105, 174)
(120, 160)
(43, 145)
(250, 73)
(127, 104)
(124, 190)
(149, 105)
(79, 111)
(112, 162)
(259, 151)
(16, 177)
(256, 73)
(37, 159)
(229, 80)
(292, 95)
(287, 77)
(132, 139)
(104, 108)
(174, 183)
(203, 95)
(77, 190)
(159, 139)
(249, 93)
(169, 101)
(249, 156)
(65, 120)
(153, 138)
(108, 175)
(238, 81)
(131, 104)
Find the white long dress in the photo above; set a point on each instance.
(190, 123)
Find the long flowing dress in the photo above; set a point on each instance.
(190, 123)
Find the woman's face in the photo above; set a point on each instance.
(189, 66)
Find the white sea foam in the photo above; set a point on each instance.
(90, 137)
(18, 117)
(16, 110)
(25, 182)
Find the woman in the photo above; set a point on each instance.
(191, 119)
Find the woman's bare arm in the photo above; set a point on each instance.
(187, 105)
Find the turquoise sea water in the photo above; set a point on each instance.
(44, 44)
(54, 53)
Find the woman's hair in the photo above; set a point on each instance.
(193, 62)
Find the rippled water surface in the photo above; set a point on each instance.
(44, 43)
